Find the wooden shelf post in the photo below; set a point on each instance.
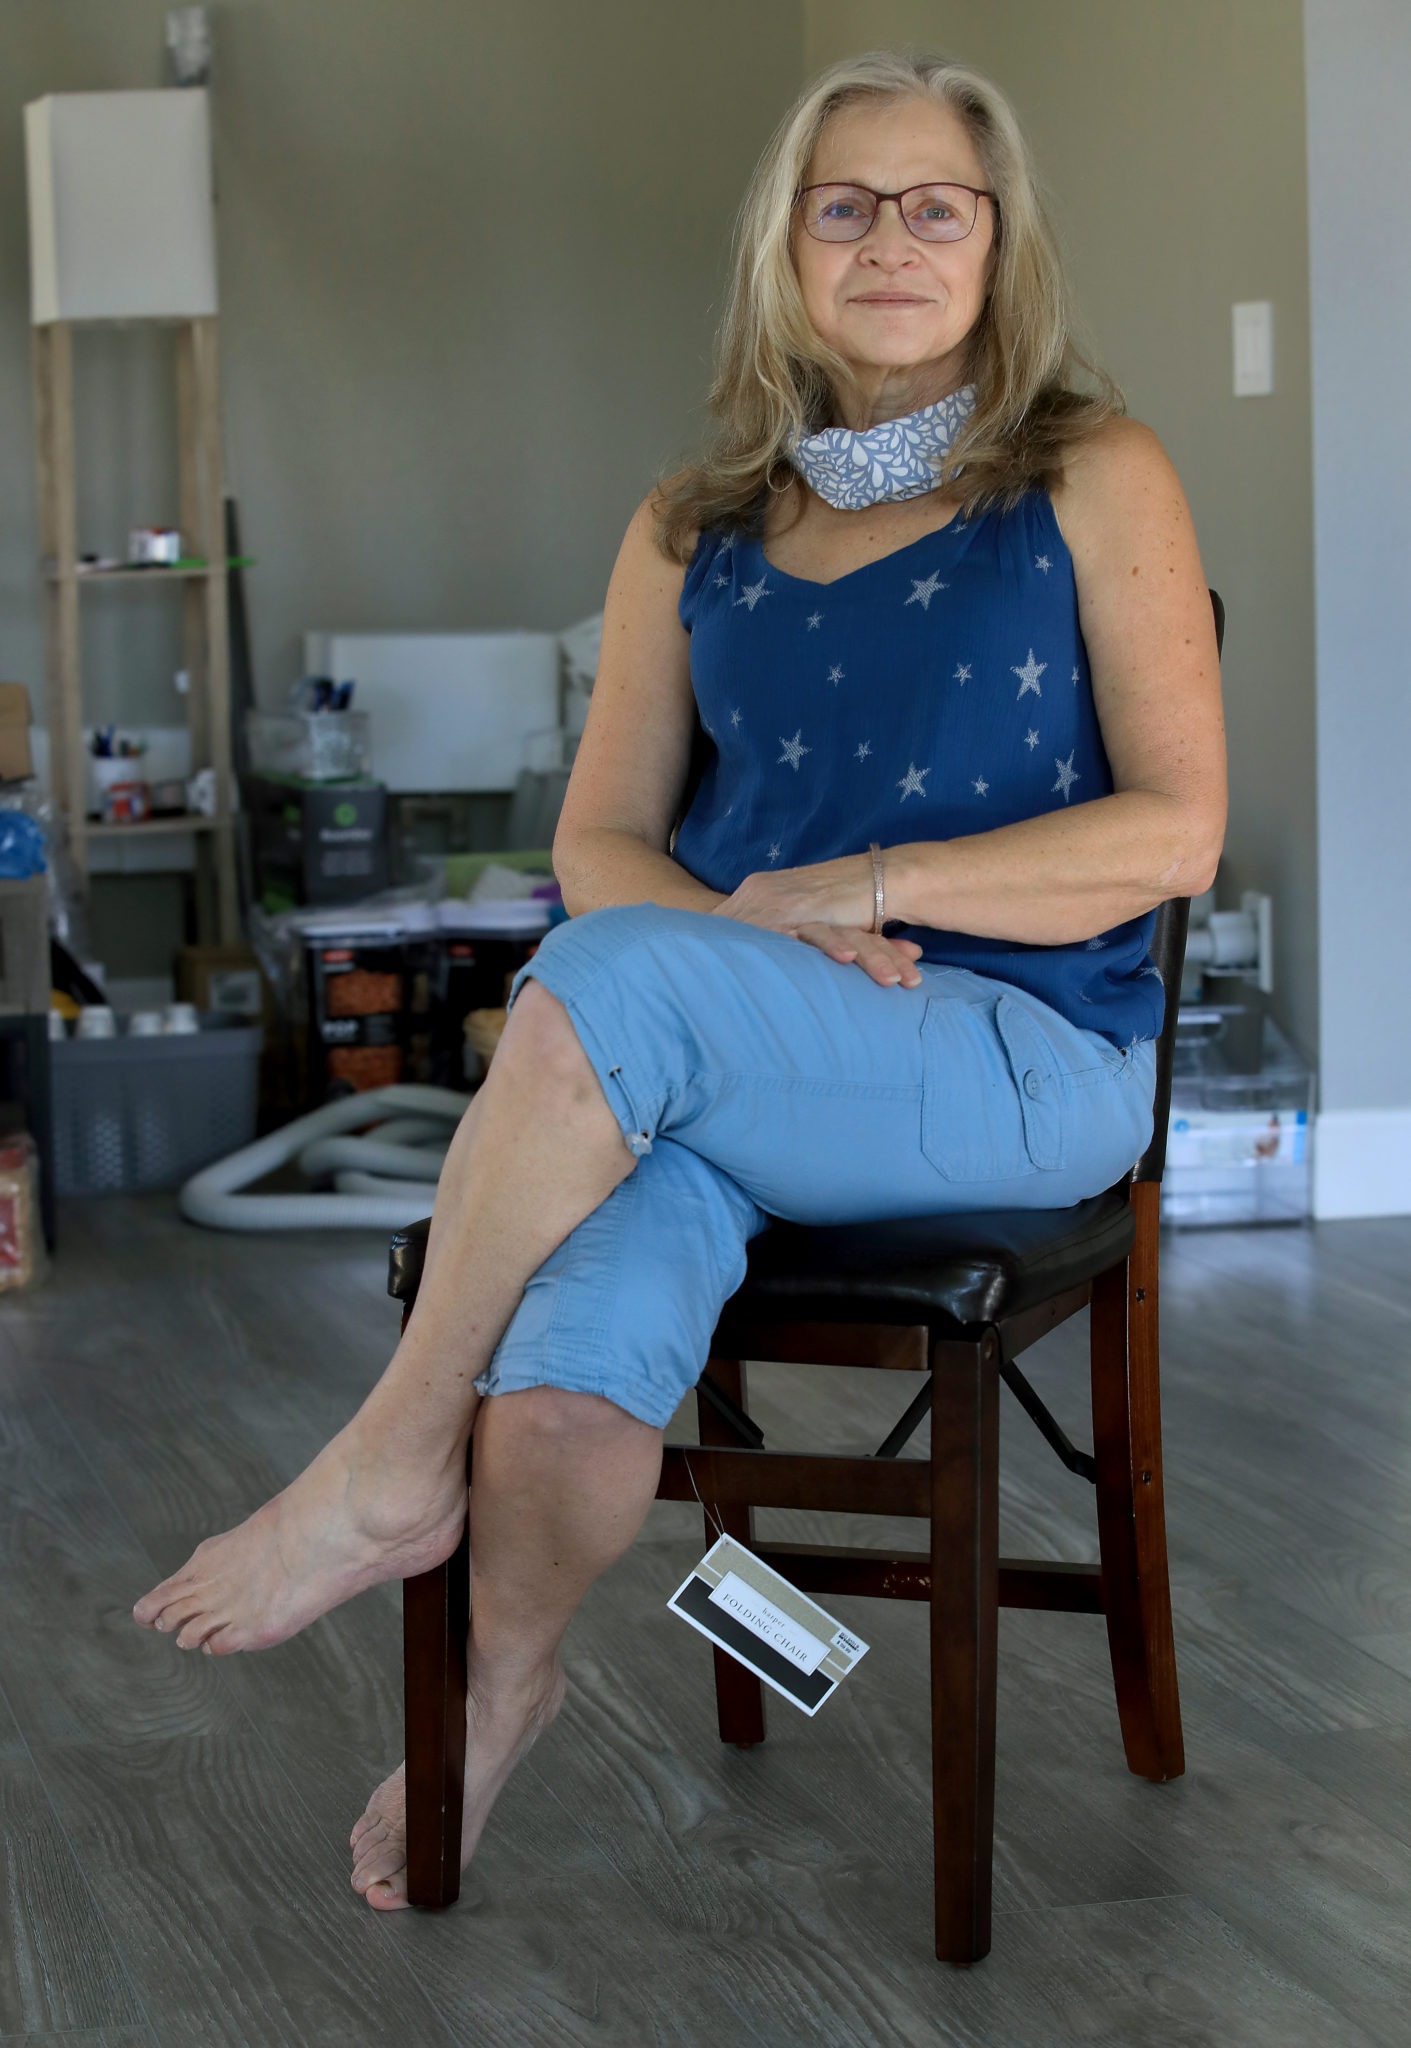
(205, 615)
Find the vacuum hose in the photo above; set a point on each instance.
(319, 1142)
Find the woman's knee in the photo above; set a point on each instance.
(559, 1419)
(540, 1041)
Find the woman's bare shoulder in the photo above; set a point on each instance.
(1118, 457)
(645, 527)
(1116, 477)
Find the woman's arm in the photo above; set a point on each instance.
(630, 770)
(1146, 619)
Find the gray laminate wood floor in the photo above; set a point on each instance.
(175, 1828)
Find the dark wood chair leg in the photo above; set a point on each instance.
(739, 1695)
(435, 1621)
(964, 1638)
(1131, 1511)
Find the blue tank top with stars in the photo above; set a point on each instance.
(939, 691)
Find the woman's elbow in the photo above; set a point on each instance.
(1194, 869)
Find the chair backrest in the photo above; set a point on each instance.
(1168, 954)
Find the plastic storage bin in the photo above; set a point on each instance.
(316, 746)
(132, 1113)
(1238, 1148)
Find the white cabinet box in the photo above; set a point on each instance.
(121, 225)
(446, 710)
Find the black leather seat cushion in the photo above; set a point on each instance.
(970, 1268)
(405, 1257)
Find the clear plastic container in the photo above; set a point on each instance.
(1238, 1148)
(315, 746)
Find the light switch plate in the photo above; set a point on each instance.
(1254, 348)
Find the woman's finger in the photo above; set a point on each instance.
(838, 941)
(890, 962)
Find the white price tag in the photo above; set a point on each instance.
(769, 1626)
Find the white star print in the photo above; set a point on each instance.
(979, 785)
(752, 593)
(734, 718)
(815, 619)
(835, 675)
(793, 752)
(922, 593)
(962, 673)
(1075, 675)
(775, 850)
(1028, 675)
(863, 750)
(727, 544)
(1031, 739)
(1095, 945)
(722, 582)
(1067, 775)
(913, 783)
(1042, 562)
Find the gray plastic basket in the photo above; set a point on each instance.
(133, 1113)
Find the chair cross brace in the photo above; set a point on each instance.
(896, 1439)
(1047, 1424)
(730, 1412)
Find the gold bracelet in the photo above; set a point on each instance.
(878, 889)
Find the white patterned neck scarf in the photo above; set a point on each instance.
(896, 459)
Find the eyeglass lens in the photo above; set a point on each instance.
(844, 213)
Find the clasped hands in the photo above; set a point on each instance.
(828, 905)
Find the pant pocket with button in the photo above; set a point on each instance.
(973, 1126)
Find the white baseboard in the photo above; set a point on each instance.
(1362, 1163)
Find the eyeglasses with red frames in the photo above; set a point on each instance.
(933, 213)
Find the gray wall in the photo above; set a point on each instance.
(469, 257)
(1359, 155)
(1172, 141)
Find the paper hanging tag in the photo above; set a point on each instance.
(769, 1626)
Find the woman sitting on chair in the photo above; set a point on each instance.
(941, 620)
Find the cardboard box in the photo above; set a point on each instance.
(16, 762)
(24, 947)
(224, 978)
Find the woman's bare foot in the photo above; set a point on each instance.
(500, 1726)
(349, 1521)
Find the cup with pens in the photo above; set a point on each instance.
(124, 794)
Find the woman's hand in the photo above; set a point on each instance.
(830, 906)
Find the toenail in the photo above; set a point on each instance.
(159, 1623)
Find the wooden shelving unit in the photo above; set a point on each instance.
(206, 649)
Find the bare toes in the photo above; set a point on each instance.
(388, 1895)
(177, 1612)
(382, 1852)
(194, 1632)
(152, 1606)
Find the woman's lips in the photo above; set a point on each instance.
(888, 299)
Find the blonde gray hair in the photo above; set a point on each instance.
(776, 379)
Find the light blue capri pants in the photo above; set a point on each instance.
(753, 1077)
